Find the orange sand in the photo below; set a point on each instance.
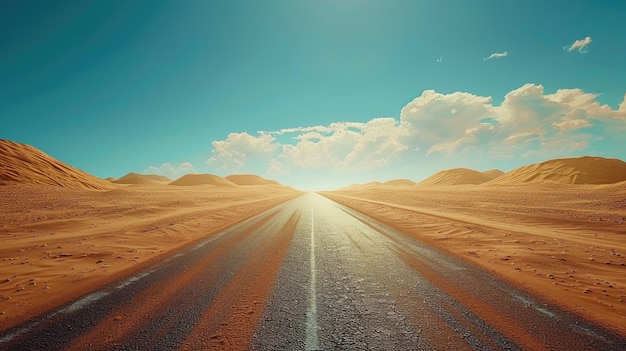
(57, 243)
(250, 179)
(21, 163)
(576, 170)
(202, 179)
(458, 176)
(146, 179)
(564, 243)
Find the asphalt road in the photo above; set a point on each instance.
(309, 274)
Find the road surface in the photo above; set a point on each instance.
(309, 274)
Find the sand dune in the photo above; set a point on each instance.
(456, 176)
(579, 170)
(60, 242)
(493, 173)
(25, 164)
(369, 185)
(399, 183)
(250, 179)
(202, 179)
(143, 179)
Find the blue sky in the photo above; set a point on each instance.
(313, 93)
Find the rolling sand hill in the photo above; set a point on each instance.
(493, 173)
(25, 164)
(143, 179)
(202, 179)
(399, 183)
(578, 170)
(456, 176)
(370, 185)
(250, 179)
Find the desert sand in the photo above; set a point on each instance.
(64, 232)
(57, 244)
(202, 179)
(23, 163)
(544, 232)
(459, 176)
(399, 183)
(579, 170)
(555, 229)
(141, 179)
(250, 179)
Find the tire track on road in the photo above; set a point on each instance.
(230, 320)
(153, 308)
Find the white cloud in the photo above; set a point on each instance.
(170, 171)
(346, 146)
(437, 121)
(572, 124)
(276, 168)
(233, 153)
(459, 124)
(580, 45)
(522, 137)
(496, 55)
(320, 129)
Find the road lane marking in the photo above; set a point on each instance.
(311, 314)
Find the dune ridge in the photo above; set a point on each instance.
(145, 179)
(399, 182)
(250, 179)
(456, 176)
(202, 179)
(576, 170)
(24, 164)
(493, 173)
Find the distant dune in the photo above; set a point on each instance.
(250, 179)
(493, 173)
(399, 183)
(144, 179)
(369, 185)
(456, 176)
(578, 170)
(25, 164)
(202, 179)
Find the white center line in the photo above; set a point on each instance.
(311, 314)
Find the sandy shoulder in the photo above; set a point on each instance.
(563, 243)
(60, 243)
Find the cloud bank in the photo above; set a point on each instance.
(579, 45)
(528, 122)
(495, 55)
